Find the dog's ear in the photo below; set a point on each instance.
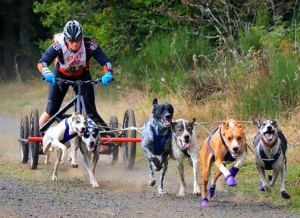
(194, 121)
(155, 102)
(173, 124)
(256, 122)
(171, 109)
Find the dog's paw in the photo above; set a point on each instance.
(94, 184)
(161, 192)
(205, 202)
(54, 178)
(154, 161)
(230, 181)
(47, 162)
(181, 194)
(212, 191)
(74, 165)
(285, 195)
(152, 182)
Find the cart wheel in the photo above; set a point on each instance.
(129, 148)
(24, 133)
(113, 124)
(34, 131)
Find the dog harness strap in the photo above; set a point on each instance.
(159, 141)
(208, 142)
(67, 136)
(222, 138)
(269, 162)
(228, 156)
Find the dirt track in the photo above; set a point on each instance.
(122, 193)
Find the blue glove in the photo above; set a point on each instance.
(49, 77)
(107, 78)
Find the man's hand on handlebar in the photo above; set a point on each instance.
(107, 78)
(49, 77)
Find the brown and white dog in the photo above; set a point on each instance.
(270, 149)
(185, 146)
(63, 136)
(225, 145)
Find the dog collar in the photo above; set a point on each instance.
(267, 144)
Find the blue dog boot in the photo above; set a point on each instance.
(212, 191)
(230, 181)
(204, 202)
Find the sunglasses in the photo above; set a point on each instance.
(75, 40)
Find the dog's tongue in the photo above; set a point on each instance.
(185, 145)
(165, 122)
(89, 148)
(269, 136)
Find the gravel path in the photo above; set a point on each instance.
(122, 193)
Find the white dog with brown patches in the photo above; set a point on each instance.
(63, 136)
(185, 146)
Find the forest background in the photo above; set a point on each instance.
(195, 49)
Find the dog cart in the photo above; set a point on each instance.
(113, 137)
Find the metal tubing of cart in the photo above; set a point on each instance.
(40, 139)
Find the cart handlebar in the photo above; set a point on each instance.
(97, 81)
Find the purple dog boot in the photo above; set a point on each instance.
(211, 191)
(205, 202)
(285, 195)
(261, 187)
(233, 171)
(230, 181)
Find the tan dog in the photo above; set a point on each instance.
(185, 146)
(63, 136)
(224, 146)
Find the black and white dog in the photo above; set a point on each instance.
(89, 147)
(156, 141)
(185, 146)
(270, 149)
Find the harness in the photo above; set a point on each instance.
(228, 156)
(269, 162)
(159, 141)
(67, 136)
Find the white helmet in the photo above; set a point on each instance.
(73, 30)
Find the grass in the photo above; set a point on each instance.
(19, 98)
